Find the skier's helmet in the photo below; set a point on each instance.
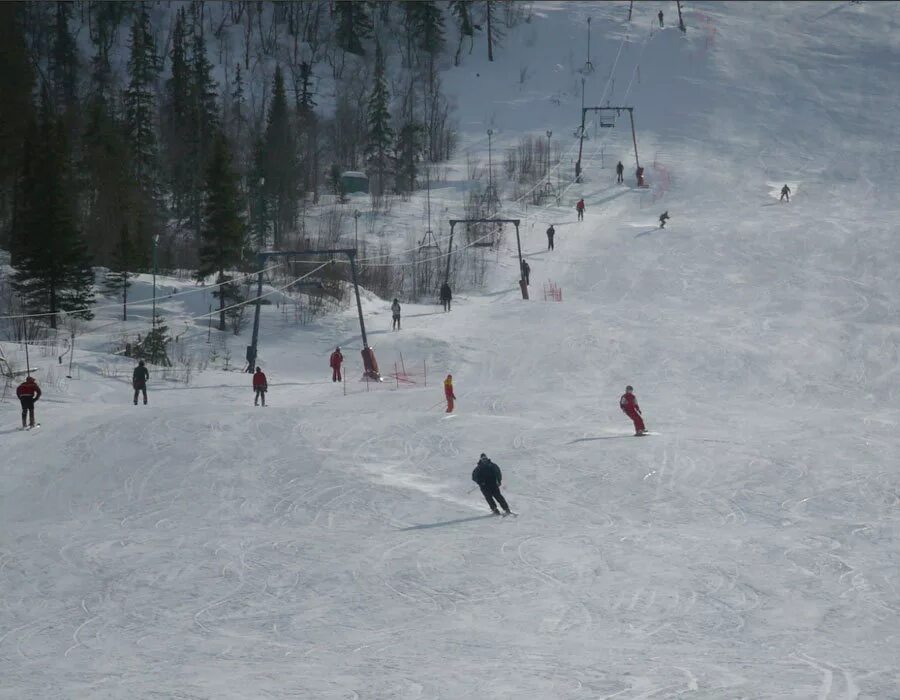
(629, 388)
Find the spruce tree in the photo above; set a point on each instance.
(353, 25)
(380, 134)
(204, 124)
(409, 152)
(153, 347)
(462, 11)
(64, 61)
(280, 170)
(53, 271)
(16, 109)
(176, 116)
(428, 25)
(124, 260)
(223, 226)
(140, 100)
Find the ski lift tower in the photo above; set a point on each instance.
(514, 222)
(607, 120)
(370, 365)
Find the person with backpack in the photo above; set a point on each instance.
(446, 296)
(663, 218)
(629, 405)
(785, 192)
(620, 173)
(335, 362)
(139, 381)
(579, 207)
(28, 393)
(395, 312)
(448, 393)
(260, 387)
(551, 232)
(489, 477)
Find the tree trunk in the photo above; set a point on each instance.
(221, 300)
(490, 34)
(124, 296)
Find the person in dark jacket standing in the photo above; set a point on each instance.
(260, 387)
(526, 272)
(488, 477)
(139, 381)
(620, 172)
(28, 392)
(395, 315)
(660, 17)
(336, 360)
(551, 232)
(446, 296)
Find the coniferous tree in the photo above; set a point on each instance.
(462, 11)
(53, 271)
(176, 116)
(429, 26)
(353, 25)
(307, 128)
(140, 101)
(64, 61)
(409, 152)
(16, 110)
(204, 123)
(124, 260)
(380, 134)
(280, 170)
(223, 225)
(153, 347)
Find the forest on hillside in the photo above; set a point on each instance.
(201, 132)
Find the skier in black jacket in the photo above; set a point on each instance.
(488, 477)
(139, 381)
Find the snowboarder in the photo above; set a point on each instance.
(660, 15)
(526, 273)
(579, 207)
(629, 405)
(446, 296)
(639, 175)
(663, 218)
(139, 381)
(395, 310)
(448, 393)
(28, 392)
(335, 362)
(620, 173)
(488, 477)
(260, 387)
(785, 193)
(551, 232)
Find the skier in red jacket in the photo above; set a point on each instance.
(579, 207)
(629, 405)
(28, 392)
(335, 362)
(260, 387)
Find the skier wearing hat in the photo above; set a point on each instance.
(629, 405)
(260, 387)
(488, 477)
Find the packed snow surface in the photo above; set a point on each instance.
(330, 545)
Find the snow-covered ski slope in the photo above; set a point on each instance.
(329, 546)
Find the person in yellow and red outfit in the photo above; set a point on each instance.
(448, 392)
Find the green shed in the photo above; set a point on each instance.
(353, 181)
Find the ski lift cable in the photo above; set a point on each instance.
(142, 302)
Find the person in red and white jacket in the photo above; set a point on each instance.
(260, 387)
(28, 392)
(335, 363)
(629, 405)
